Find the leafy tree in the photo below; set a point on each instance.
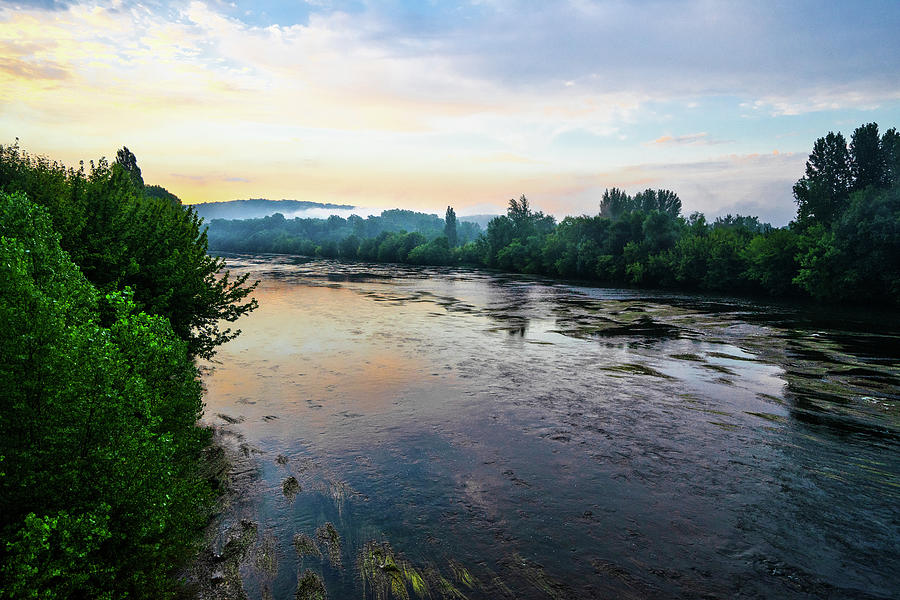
(668, 202)
(862, 251)
(435, 252)
(327, 249)
(665, 201)
(771, 261)
(824, 191)
(157, 191)
(99, 490)
(450, 227)
(349, 247)
(614, 203)
(519, 211)
(692, 258)
(127, 160)
(49, 184)
(121, 237)
(747, 224)
(867, 160)
(726, 263)
(659, 231)
(890, 145)
(472, 253)
(500, 232)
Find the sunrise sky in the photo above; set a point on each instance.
(423, 104)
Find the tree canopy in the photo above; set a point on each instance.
(119, 236)
(100, 494)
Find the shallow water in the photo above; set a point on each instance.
(526, 439)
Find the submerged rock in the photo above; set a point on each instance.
(291, 487)
(306, 546)
(330, 538)
(267, 556)
(310, 587)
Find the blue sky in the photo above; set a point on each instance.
(424, 104)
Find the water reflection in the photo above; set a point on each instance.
(526, 439)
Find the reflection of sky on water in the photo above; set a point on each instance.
(581, 441)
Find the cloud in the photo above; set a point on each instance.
(691, 139)
(755, 184)
(21, 69)
(425, 104)
(509, 157)
(43, 4)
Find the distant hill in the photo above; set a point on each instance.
(481, 220)
(255, 208)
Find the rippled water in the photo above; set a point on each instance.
(526, 439)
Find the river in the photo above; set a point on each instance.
(501, 436)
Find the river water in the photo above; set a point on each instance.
(521, 438)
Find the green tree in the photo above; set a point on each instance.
(120, 237)
(668, 202)
(519, 211)
(823, 191)
(157, 191)
(99, 491)
(450, 227)
(660, 231)
(349, 247)
(771, 261)
(500, 232)
(435, 252)
(127, 160)
(867, 160)
(890, 145)
(861, 252)
(615, 203)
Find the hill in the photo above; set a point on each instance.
(255, 208)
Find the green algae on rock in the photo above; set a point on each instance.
(310, 587)
(290, 488)
(329, 537)
(306, 546)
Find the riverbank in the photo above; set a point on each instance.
(214, 573)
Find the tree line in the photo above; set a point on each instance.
(333, 237)
(107, 297)
(844, 244)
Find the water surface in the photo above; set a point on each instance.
(527, 439)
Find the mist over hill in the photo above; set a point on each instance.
(480, 220)
(255, 208)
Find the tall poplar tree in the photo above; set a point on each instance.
(450, 227)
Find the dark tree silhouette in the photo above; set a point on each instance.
(825, 189)
(128, 161)
(615, 202)
(450, 227)
(867, 160)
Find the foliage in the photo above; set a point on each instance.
(861, 252)
(99, 494)
(823, 191)
(450, 231)
(335, 234)
(119, 236)
(616, 202)
(157, 191)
